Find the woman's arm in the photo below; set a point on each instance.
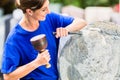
(22, 71)
(76, 25)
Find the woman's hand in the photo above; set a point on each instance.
(61, 32)
(43, 58)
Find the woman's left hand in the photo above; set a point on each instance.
(61, 32)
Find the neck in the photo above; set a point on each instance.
(29, 24)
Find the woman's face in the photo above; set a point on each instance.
(41, 13)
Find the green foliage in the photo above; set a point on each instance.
(97, 2)
(101, 2)
(85, 3)
(55, 1)
(8, 5)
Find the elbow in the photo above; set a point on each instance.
(8, 77)
(83, 23)
(80, 22)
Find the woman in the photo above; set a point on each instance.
(20, 59)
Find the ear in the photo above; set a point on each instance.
(29, 12)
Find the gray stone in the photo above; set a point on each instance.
(94, 55)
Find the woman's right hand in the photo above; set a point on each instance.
(43, 58)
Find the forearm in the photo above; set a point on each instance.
(41, 59)
(76, 25)
(21, 71)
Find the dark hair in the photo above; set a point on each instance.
(29, 4)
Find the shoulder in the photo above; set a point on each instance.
(13, 34)
(58, 17)
(54, 15)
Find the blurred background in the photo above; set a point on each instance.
(90, 10)
(8, 5)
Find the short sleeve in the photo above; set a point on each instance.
(10, 59)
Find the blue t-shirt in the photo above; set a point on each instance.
(19, 51)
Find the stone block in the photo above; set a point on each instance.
(94, 55)
(93, 14)
(115, 18)
(73, 11)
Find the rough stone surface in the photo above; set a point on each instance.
(94, 55)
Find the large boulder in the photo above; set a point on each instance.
(92, 55)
